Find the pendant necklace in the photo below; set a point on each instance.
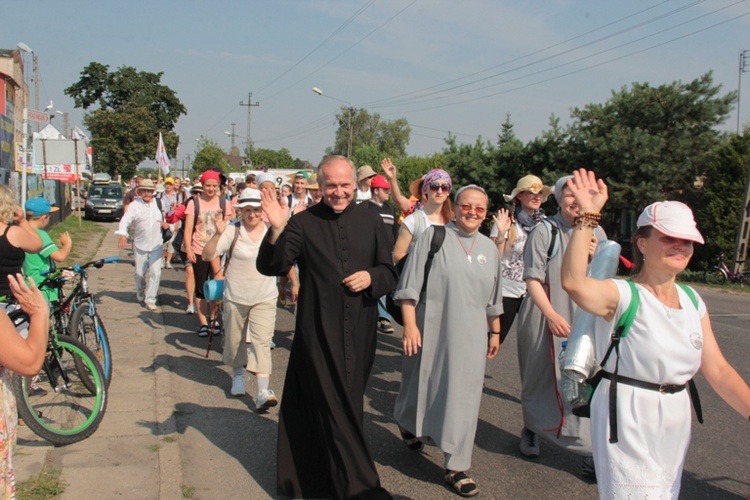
(667, 308)
(468, 254)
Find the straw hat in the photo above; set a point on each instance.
(530, 183)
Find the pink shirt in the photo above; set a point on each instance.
(205, 225)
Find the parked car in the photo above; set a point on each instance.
(104, 199)
(77, 201)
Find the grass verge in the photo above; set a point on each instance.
(87, 238)
(45, 485)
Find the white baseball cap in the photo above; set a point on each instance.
(671, 218)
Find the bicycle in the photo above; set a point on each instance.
(66, 401)
(719, 273)
(83, 322)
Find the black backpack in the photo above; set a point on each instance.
(437, 241)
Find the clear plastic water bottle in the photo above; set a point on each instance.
(562, 353)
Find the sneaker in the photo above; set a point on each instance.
(203, 331)
(150, 306)
(529, 444)
(266, 399)
(384, 326)
(169, 265)
(190, 309)
(140, 297)
(273, 345)
(238, 385)
(587, 468)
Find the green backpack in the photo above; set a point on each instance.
(621, 331)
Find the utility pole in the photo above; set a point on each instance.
(249, 105)
(741, 242)
(233, 125)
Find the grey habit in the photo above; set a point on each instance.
(539, 351)
(441, 386)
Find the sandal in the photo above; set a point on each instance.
(463, 484)
(410, 440)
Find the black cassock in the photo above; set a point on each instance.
(321, 446)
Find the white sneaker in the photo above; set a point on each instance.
(238, 385)
(266, 399)
(140, 297)
(168, 265)
(190, 309)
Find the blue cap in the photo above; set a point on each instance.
(37, 207)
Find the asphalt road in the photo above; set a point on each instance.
(227, 448)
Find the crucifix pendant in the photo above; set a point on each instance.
(468, 257)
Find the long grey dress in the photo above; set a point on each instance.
(441, 386)
(539, 351)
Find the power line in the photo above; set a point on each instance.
(329, 37)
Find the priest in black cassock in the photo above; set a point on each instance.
(344, 258)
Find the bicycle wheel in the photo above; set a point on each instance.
(58, 406)
(715, 276)
(87, 326)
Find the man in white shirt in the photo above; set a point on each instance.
(147, 221)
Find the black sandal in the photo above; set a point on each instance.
(410, 440)
(463, 484)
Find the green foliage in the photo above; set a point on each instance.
(390, 138)
(46, 485)
(271, 158)
(473, 164)
(412, 168)
(209, 155)
(132, 107)
(651, 143)
(719, 201)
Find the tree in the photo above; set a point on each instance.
(390, 138)
(651, 143)
(209, 155)
(122, 99)
(271, 158)
(473, 164)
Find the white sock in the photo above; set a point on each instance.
(262, 384)
(239, 370)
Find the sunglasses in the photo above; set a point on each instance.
(477, 210)
(434, 186)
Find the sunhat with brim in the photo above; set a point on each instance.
(365, 172)
(249, 197)
(147, 185)
(415, 188)
(314, 185)
(197, 188)
(530, 183)
(36, 207)
(672, 218)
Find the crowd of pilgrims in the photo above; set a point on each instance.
(353, 255)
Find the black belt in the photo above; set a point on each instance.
(662, 388)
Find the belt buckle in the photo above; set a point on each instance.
(662, 388)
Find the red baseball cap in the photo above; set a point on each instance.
(380, 181)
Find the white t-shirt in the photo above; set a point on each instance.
(417, 223)
(244, 284)
(512, 262)
(363, 195)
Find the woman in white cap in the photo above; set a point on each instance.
(510, 231)
(249, 298)
(640, 449)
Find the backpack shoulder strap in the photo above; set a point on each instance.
(552, 231)
(690, 293)
(236, 236)
(627, 318)
(197, 204)
(222, 204)
(438, 236)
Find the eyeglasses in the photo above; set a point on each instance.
(434, 186)
(477, 210)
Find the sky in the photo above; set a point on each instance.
(447, 66)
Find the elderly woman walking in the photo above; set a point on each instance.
(640, 449)
(446, 339)
(249, 298)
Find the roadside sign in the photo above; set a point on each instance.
(38, 116)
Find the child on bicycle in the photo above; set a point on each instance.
(38, 212)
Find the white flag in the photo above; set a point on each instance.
(161, 156)
(78, 134)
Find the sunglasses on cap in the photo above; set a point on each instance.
(477, 210)
(434, 186)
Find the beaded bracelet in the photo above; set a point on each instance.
(587, 219)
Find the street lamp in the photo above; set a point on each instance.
(232, 135)
(65, 122)
(351, 112)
